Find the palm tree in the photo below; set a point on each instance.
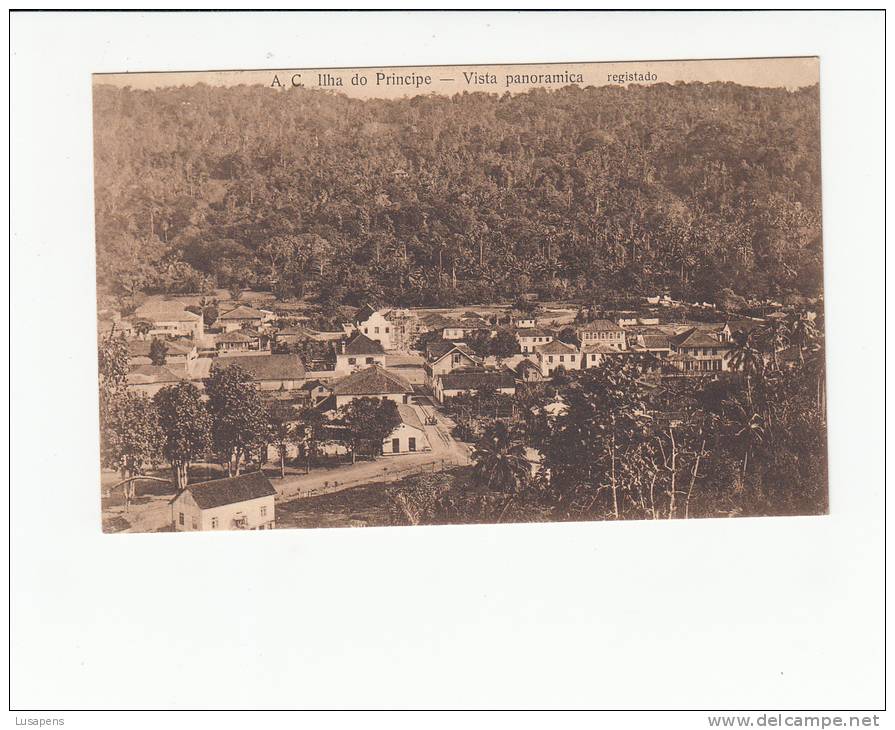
(747, 358)
(803, 335)
(500, 463)
(772, 338)
(749, 427)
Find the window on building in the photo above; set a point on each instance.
(195, 524)
(366, 330)
(375, 330)
(264, 511)
(181, 518)
(214, 523)
(352, 360)
(386, 330)
(562, 358)
(369, 361)
(573, 358)
(549, 358)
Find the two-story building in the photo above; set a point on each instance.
(602, 331)
(444, 357)
(373, 324)
(698, 352)
(360, 352)
(372, 382)
(245, 502)
(169, 318)
(555, 354)
(242, 317)
(531, 338)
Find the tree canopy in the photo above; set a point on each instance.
(709, 190)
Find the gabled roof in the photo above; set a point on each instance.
(474, 379)
(442, 349)
(408, 415)
(232, 490)
(556, 347)
(164, 310)
(471, 315)
(296, 331)
(363, 345)
(146, 374)
(600, 325)
(526, 364)
(374, 380)
(655, 341)
(243, 312)
(534, 332)
(273, 367)
(694, 338)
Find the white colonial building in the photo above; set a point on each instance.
(245, 502)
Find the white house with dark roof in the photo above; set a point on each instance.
(150, 379)
(237, 341)
(170, 319)
(530, 338)
(604, 332)
(243, 316)
(373, 324)
(372, 382)
(409, 436)
(273, 372)
(245, 502)
(461, 382)
(361, 352)
(555, 354)
(695, 351)
(445, 357)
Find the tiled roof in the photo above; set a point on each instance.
(243, 312)
(600, 325)
(473, 379)
(146, 374)
(694, 338)
(231, 490)
(651, 341)
(273, 367)
(557, 347)
(526, 364)
(534, 332)
(442, 349)
(374, 380)
(363, 345)
(164, 310)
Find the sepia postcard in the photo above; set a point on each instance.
(448, 295)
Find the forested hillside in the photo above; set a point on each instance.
(592, 193)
